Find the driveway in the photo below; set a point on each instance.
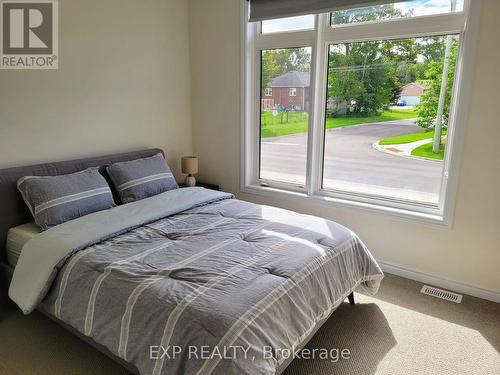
(352, 163)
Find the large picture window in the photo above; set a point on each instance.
(390, 90)
(358, 104)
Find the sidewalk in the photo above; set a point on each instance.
(404, 149)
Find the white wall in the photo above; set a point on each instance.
(468, 253)
(122, 84)
(411, 100)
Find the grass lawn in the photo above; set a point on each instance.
(297, 121)
(408, 138)
(426, 152)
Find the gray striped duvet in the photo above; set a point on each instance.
(218, 275)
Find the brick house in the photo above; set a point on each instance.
(291, 90)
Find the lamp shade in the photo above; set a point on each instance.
(189, 164)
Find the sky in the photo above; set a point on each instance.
(420, 8)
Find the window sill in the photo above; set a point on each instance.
(382, 208)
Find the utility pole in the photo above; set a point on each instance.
(442, 95)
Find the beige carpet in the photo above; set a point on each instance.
(400, 331)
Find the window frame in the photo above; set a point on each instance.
(465, 23)
(268, 91)
(292, 91)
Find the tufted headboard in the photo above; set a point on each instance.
(14, 212)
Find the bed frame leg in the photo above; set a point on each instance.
(350, 297)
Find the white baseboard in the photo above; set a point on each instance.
(441, 282)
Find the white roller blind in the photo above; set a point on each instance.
(270, 9)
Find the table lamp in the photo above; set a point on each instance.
(190, 167)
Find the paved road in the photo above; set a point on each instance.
(352, 163)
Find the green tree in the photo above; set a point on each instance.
(427, 109)
(367, 14)
(360, 75)
(367, 75)
(431, 48)
(269, 68)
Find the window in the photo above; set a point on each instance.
(288, 24)
(403, 9)
(370, 83)
(269, 92)
(364, 105)
(284, 161)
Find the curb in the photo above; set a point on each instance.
(380, 148)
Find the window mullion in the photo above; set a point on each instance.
(253, 107)
(316, 131)
(285, 40)
(397, 28)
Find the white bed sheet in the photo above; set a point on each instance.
(17, 237)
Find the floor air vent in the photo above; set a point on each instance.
(440, 293)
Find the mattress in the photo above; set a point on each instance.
(17, 238)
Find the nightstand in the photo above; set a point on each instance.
(203, 185)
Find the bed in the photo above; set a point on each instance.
(190, 281)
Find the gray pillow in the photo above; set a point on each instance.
(53, 200)
(141, 178)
